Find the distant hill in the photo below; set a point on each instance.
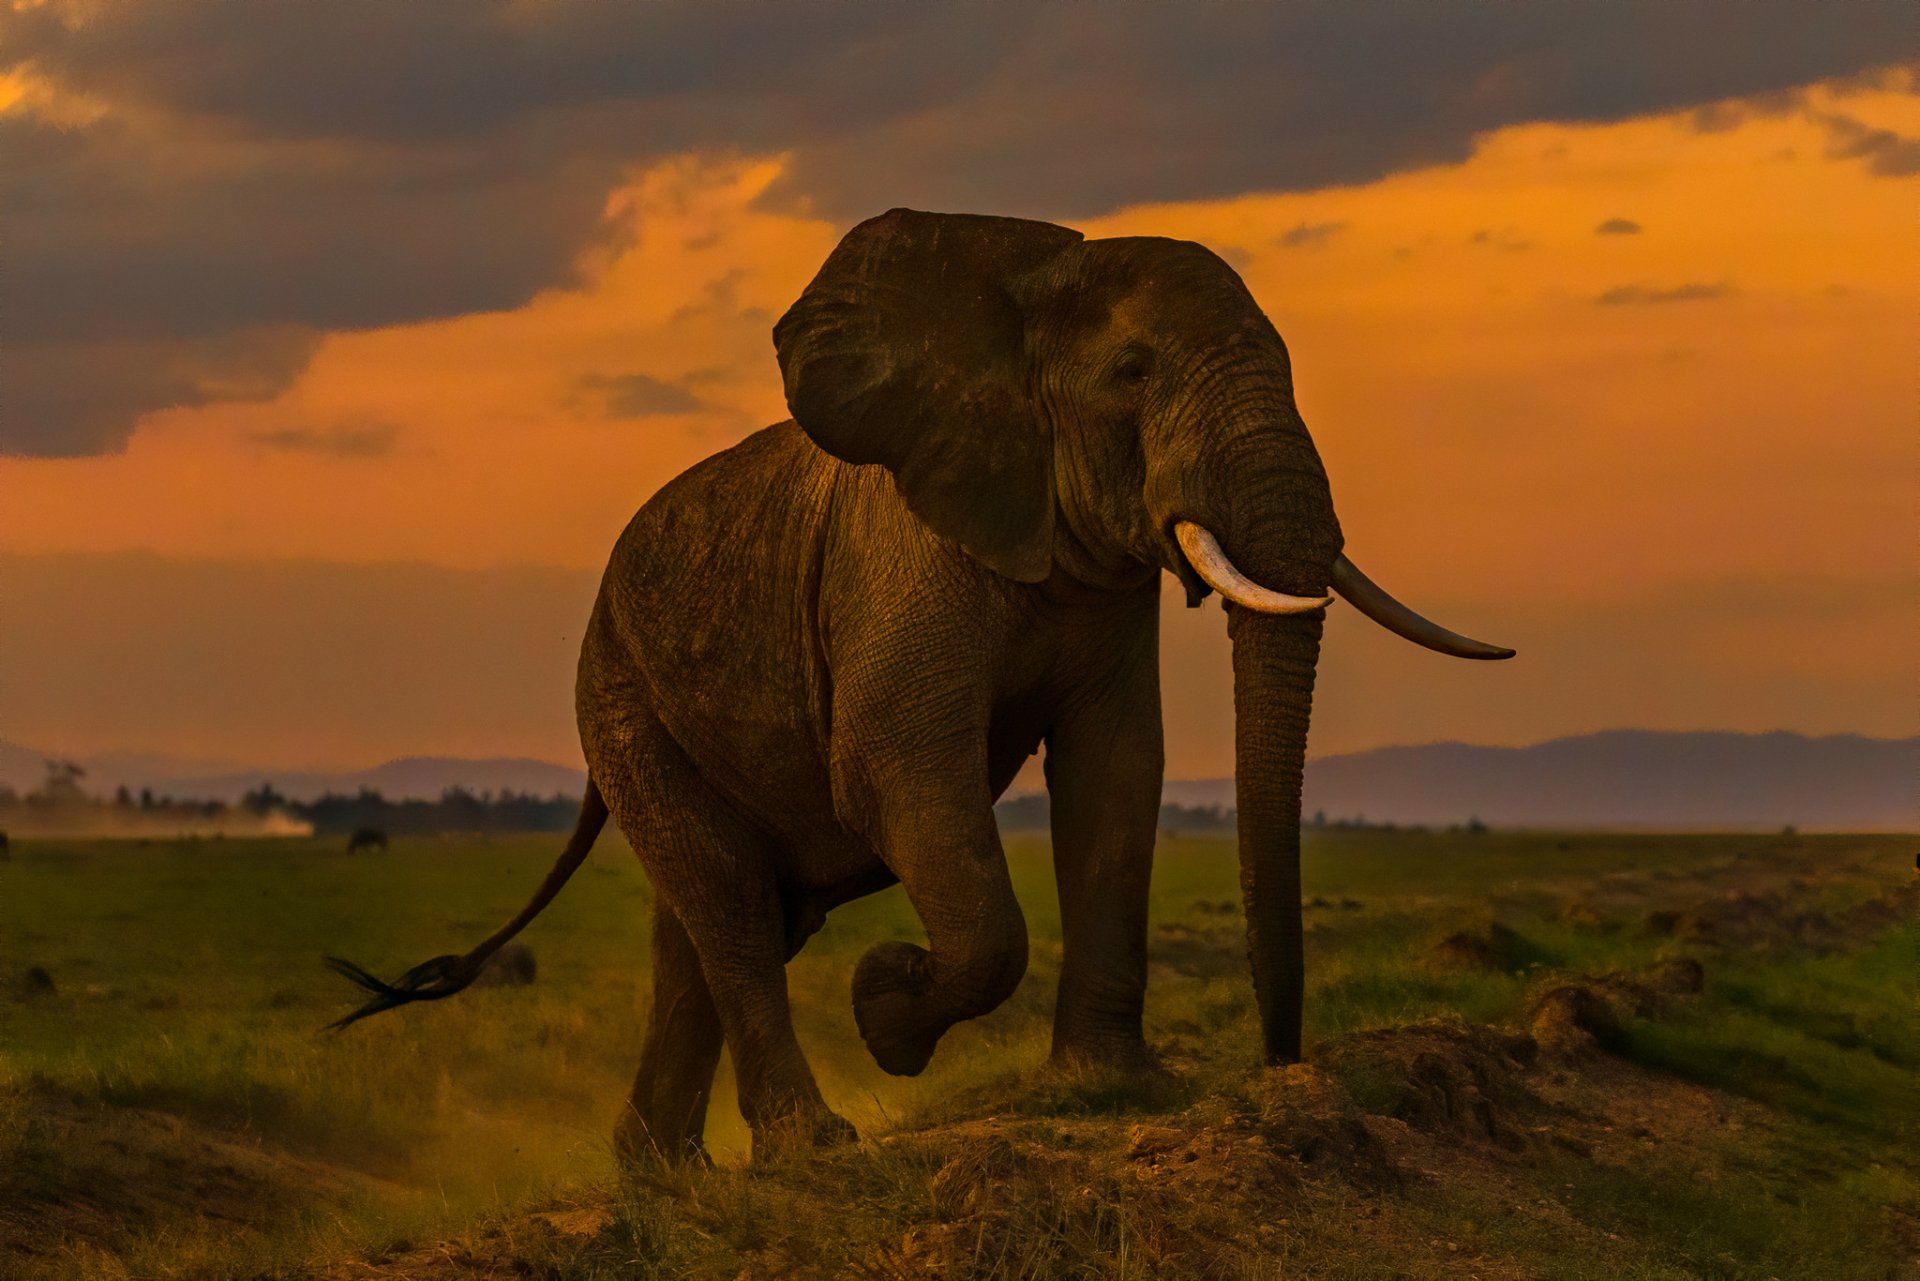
(1634, 778)
(1620, 778)
(417, 777)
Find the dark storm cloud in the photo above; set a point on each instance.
(1618, 227)
(1104, 105)
(80, 396)
(121, 233)
(302, 166)
(148, 267)
(1887, 153)
(1637, 295)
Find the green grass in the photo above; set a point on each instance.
(189, 984)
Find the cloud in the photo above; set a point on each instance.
(1507, 239)
(79, 396)
(1309, 235)
(1618, 227)
(362, 437)
(149, 267)
(1635, 295)
(326, 167)
(1104, 107)
(1719, 117)
(721, 299)
(1887, 153)
(640, 395)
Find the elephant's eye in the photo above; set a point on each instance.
(1136, 366)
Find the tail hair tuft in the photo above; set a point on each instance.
(429, 981)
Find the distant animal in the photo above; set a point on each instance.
(6, 850)
(819, 656)
(511, 966)
(366, 838)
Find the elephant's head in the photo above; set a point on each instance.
(1101, 410)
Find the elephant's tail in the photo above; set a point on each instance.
(445, 975)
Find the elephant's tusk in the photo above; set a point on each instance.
(1211, 563)
(1367, 596)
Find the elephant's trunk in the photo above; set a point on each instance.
(1273, 670)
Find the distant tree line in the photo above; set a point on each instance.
(457, 810)
(1360, 823)
(1033, 813)
(61, 794)
(60, 802)
(62, 806)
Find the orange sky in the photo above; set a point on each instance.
(1674, 466)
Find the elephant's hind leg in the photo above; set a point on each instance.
(667, 1113)
(716, 875)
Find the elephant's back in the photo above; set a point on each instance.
(713, 531)
(708, 612)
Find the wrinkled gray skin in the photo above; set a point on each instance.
(818, 657)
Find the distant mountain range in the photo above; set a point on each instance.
(1620, 778)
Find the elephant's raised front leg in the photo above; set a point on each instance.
(906, 997)
(924, 803)
(1104, 765)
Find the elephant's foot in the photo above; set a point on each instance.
(1117, 1056)
(637, 1148)
(1121, 1073)
(890, 986)
(801, 1131)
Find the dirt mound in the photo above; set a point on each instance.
(1677, 976)
(1296, 1170)
(1776, 919)
(1491, 947)
(1452, 1080)
(1572, 1019)
(1584, 915)
(80, 1176)
(1588, 1013)
(1211, 1188)
(1205, 1191)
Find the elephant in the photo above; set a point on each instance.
(819, 656)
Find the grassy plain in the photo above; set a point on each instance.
(1515, 1070)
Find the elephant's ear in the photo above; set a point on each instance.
(909, 350)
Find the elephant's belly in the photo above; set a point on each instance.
(776, 776)
(1013, 737)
